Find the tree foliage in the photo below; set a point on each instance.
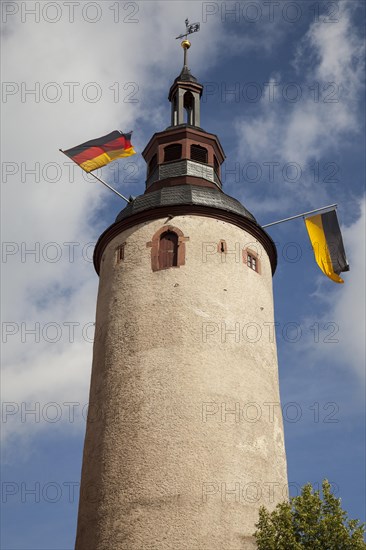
(309, 522)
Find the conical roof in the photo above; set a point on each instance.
(185, 195)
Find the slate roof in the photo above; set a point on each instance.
(184, 194)
(185, 76)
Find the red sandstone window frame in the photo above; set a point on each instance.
(155, 242)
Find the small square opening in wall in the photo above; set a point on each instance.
(252, 260)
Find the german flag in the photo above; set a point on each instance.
(326, 239)
(98, 152)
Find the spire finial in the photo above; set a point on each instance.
(185, 45)
(190, 28)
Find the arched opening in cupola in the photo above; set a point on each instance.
(172, 152)
(188, 104)
(199, 153)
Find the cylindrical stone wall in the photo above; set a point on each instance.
(184, 437)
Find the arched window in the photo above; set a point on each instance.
(172, 152)
(153, 164)
(168, 250)
(199, 153)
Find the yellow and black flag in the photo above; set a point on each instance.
(98, 152)
(326, 239)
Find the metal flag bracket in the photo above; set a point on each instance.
(300, 215)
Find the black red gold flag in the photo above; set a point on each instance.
(98, 152)
(326, 239)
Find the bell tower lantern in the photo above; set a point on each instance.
(185, 95)
(184, 153)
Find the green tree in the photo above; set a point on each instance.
(307, 521)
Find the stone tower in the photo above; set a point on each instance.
(184, 439)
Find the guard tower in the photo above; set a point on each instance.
(184, 438)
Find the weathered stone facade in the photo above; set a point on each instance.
(184, 438)
(182, 443)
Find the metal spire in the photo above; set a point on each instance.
(190, 28)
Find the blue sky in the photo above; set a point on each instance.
(284, 92)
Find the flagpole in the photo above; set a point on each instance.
(101, 181)
(109, 187)
(300, 215)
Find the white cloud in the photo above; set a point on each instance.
(131, 56)
(309, 131)
(349, 308)
(329, 59)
